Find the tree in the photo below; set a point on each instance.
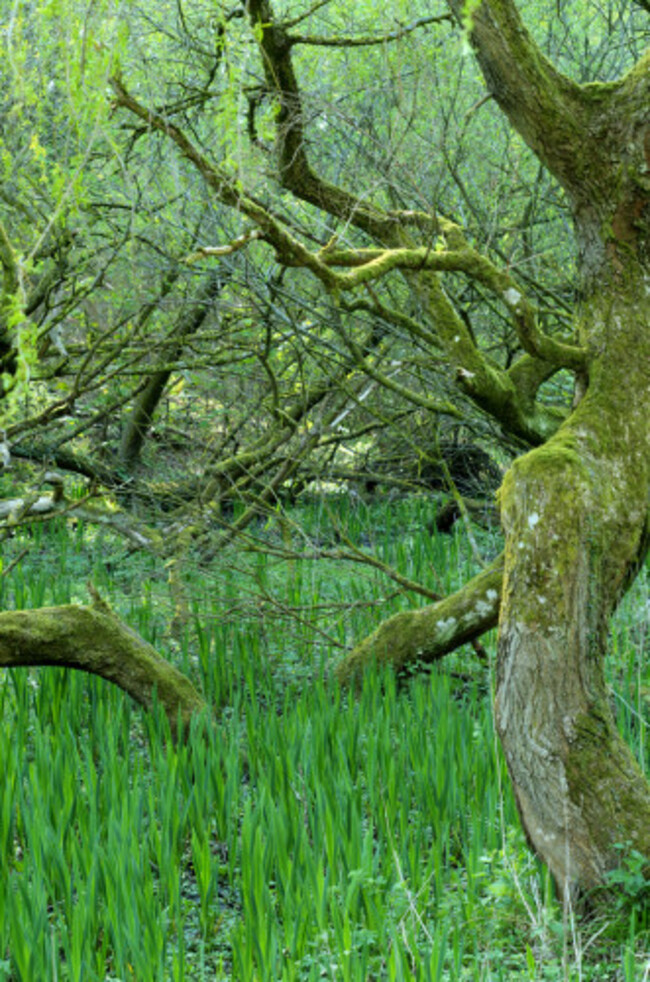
(575, 511)
(574, 507)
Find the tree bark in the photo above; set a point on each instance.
(94, 640)
(423, 636)
(575, 513)
(575, 510)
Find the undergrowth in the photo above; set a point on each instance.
(307, 834)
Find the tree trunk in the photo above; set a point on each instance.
(575, 510)
(139, 421)
(575, 513)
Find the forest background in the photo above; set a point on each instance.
(285, 293)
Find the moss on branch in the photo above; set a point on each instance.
(428, 634)
(94, 640)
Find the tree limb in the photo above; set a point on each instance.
(427, 634)
(370, 39)
(546, 107)
(94, 640)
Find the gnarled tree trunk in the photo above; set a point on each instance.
(575, 510)
(575, 515)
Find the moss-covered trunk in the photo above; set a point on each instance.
(575, 514)
(575, 510)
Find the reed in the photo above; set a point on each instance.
(309, 834)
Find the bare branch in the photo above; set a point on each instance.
(368, 40)
(372, 264)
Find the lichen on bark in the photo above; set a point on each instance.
(575, 515)
(425, 635)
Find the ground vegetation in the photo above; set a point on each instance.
(249, 254)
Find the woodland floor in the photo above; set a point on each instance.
(308, 834)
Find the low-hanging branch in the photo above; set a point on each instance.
(93, 639)
(414, 637)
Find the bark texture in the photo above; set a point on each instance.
(426, 635)
(94, 640)
(575, 510)
(575, 514)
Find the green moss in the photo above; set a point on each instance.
(606, 783)
(427, 634)
(94, 640)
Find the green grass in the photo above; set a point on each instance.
(309, 834)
